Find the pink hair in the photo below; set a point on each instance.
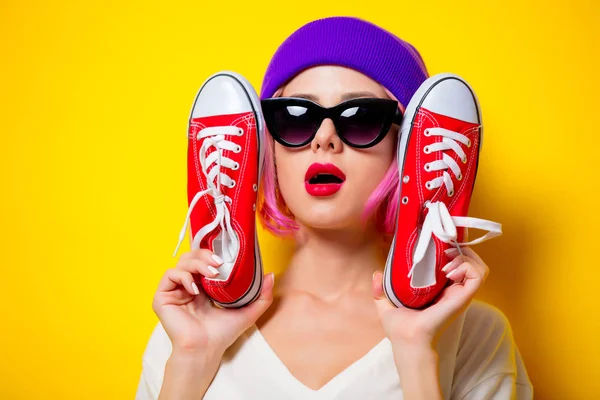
(381, 207)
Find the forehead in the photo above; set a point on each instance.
(329, 85)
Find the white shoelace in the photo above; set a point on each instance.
(438, 220)
(215, 137)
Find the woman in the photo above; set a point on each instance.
(328, 331)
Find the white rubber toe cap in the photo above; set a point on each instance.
(221, 94)
(453, 98)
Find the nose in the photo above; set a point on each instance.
(326, 138)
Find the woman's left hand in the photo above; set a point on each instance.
(405, 326)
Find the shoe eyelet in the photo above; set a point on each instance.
(426, 150)
(459, 177)
(238, 149)
(236, 167)
(428, 185)
(240, 132)
(464, 160)
(405, 200)
(232, 184)
(468, 143)
(405, 179)
(427, 167)
(451, 193)
(254, 187)
(426, 132)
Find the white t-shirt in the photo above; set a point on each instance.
(478, 360)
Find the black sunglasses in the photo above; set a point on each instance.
(360, 123)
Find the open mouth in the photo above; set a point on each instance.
(324, 174)
(324, 178)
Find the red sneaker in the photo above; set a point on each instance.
(438, 156)
(225, 140)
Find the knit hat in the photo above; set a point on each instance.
(350, 42)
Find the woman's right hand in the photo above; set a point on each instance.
(190, 319)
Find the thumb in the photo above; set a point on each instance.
(381, 301)
(260, 305)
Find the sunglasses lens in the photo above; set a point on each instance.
(295, 124)
(361, 124)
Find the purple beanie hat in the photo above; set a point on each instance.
(350, 42)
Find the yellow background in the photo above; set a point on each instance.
(95, 101)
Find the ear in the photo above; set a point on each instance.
(278, 92)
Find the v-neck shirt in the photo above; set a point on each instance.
(478, 359)
(370, 367)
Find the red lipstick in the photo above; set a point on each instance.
(323, 179)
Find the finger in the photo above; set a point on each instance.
(457, 273)
(197, 266)
(468, 255)
(264, 300)
(205, 255)
(381, 301)
(467, 274)
(471, 253)
(174, 278)
(453, 252)
(467, 251)
(467, 280)
(454, 263)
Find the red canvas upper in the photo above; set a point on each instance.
(413, 211)
(243, 196)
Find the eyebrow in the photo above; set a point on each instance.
(353, 95)
(345, 96)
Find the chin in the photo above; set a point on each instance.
(327, 216)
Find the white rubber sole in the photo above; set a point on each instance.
(254, 290)
(405, 129)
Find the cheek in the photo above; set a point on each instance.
(288, 171)
(370, 166)
(369, 171)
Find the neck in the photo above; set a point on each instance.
(332, 263)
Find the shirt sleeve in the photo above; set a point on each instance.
(154, 359)
(147, 389)
(501, 386)
(488, 363)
